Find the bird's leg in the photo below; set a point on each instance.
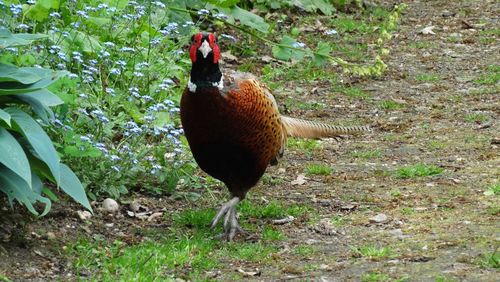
(231, 226)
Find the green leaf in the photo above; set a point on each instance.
(322, 53)
(249, 19)
(47, 78)
(21, 75)
(325, 7)
(283, 53)
(40, 100)
(38, 139)
(13, 157)
(5, 116)
(17, 189)
(8, 39)
(73, 187)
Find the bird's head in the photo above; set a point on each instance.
(204, 48)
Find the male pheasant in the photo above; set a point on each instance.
(233, 126)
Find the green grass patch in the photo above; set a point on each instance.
(307, 145)
(435, 145)
(272, 180)
(269, 233)
(355, 93)
(338, 220)
(248, 252)
(318, 169)
(476, 118)
(493, 190)
(422, 44)
(304, 250)
(191, 218)
(390, 105)
(442, 278)
(147, 261)
(370, 154)
(418, 170)
(374, 277)
(490, 77)
(427, 77)
(490, 260)
(373, 252)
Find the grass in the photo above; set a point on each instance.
(427, 77)
(476, 118)
(390, 105)
(269, 233)
(490, 77)
(248, 252)
(370, 154)
(272, 180)
(374, 277)
(306, 145)
(318, 169)
(191, 218)
(305, 250)
(435, 145)
(418, 170)
(338, 220)
(355, 93)
(491, 260)
(493, 190)
(373, 252)
(442, 278)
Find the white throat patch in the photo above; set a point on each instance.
(220, 85)
(205, 49)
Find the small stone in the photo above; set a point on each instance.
(135, 206)
(109, 225)
(110, 205)
(51, 235)
(325, 267)
(398, 233)
(379, 218)
(84, 215)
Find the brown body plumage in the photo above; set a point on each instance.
(233, 126)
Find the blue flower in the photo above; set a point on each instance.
(55, 15)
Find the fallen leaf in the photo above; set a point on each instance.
(228, 57)
(301, 179)
(249, 273)
(428, 30)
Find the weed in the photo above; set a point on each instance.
(269, 233)
(493, 190)
(272, 180)
(305, 250)
(373, 252)
(374, 277)
(389, 105)
(442, 278)
(396, 193)
(191, 218)
(435, 145)
(407, 210)
(355, 93)
(422, 44)
(306, 145)
(427, 77)
(476, 118)
(338, 220)
(490, 260)
(418, 170)
(318, 169)
(371, 154)
(253, 252)
(490, 77)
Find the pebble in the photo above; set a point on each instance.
(379, 218)
(84, 215)
(110, 205)
(51, 235)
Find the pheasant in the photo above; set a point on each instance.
(233, 126)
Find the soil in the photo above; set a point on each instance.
(439, 226)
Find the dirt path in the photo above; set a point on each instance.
(370, 220)
(438, 227)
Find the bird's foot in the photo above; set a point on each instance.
(231, 226)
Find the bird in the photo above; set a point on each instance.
(233, 127)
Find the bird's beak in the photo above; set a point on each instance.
(205, 49)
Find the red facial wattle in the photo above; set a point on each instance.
(194, 47)
(197, 41)
(215, 47)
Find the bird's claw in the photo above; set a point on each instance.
(231, 226)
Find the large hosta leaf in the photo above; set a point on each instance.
(21, 75)
(17, 189)
(5, 116)
(13, 157)
(73, 187)
(37, 138)
(7, 39)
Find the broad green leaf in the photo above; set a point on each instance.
(8, 39)
(324, 6)
(74, 151)
(247, 18)
(73, 187)
(21, 75)
(40, 109)
(5, 116)
(37, 138)
(17, 189)
(322, 53)
(48, 77)
(44, 96)
(224, 3)
(13, 157)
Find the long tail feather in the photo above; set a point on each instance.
(311, 129)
